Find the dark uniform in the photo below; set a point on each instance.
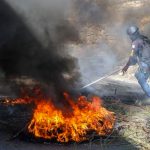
(140, 55)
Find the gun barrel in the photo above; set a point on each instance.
(102, 78)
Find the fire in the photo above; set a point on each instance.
(49, 122)
(9, 101)
(76, 123)
(25, 97)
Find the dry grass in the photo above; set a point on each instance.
(133, 123)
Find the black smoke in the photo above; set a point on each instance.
(22, 54)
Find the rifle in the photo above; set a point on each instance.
(102, 78)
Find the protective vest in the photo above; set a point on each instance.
(141, 47)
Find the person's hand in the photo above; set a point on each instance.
(125, 68)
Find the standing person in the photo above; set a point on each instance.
(140, 55)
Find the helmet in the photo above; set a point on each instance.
(132, 29)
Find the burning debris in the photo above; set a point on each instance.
(48, 122)
(74, 123)
(9, 101)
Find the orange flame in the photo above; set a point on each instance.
(49, 122)
(9, 101)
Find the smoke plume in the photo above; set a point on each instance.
(32, 42)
